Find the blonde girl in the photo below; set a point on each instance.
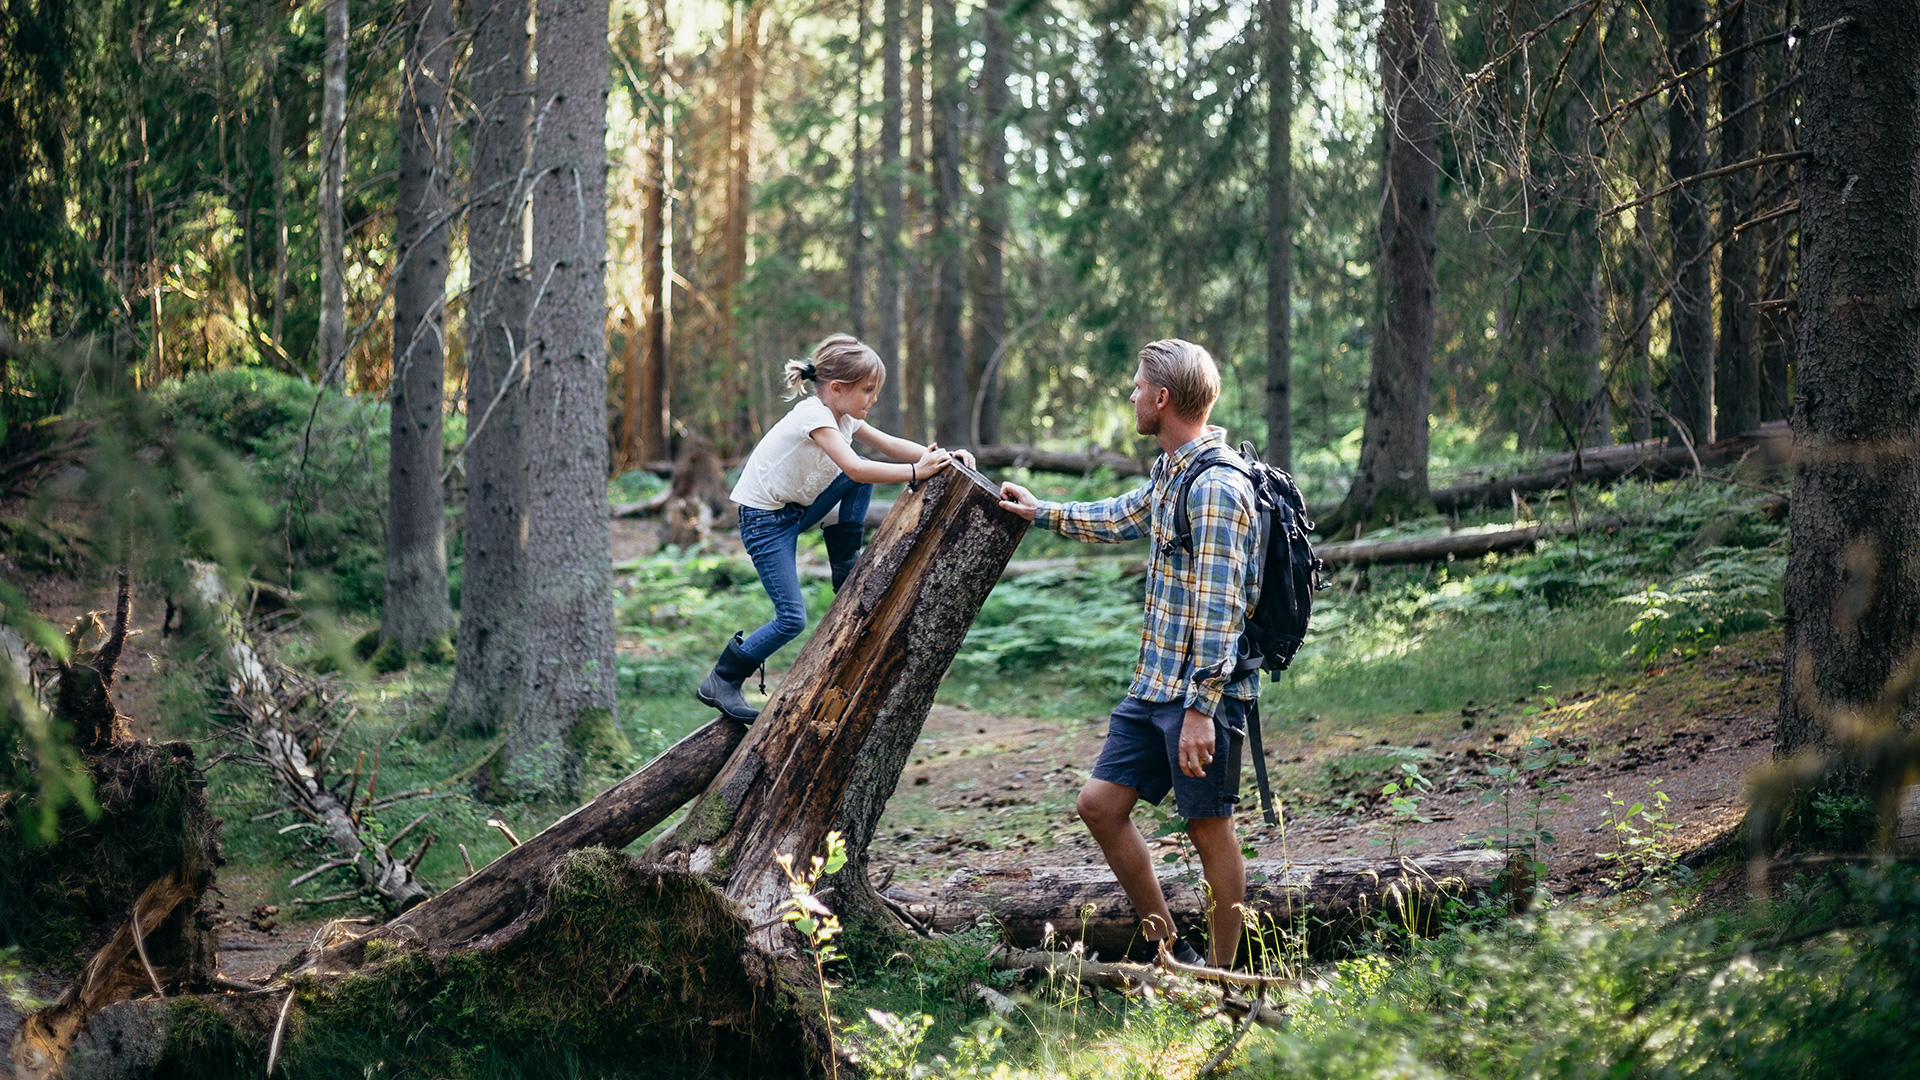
(803, 469)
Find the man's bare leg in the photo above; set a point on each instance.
(1226, 874)
(1107, 808)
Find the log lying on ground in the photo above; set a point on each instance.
(1076, 462)
(506, 889)
(258, 702)
(1771, 445)
(1335, 896)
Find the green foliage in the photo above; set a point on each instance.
(1565, 994)
(1645, 847)
(1730, 591)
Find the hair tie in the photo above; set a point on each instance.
(807, 373)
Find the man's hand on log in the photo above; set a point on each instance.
(1196, 743)
(1018, 500)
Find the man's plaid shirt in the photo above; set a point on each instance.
(1196, 603)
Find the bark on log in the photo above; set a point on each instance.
(508, 887)
(830, 745)
(1771, 445)
(1029, 903)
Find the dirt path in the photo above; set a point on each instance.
(993, 792)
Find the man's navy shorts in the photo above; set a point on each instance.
(1143, 752)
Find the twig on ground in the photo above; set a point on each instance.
(279, 1030)
(330, 864)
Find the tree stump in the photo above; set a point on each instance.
(829, 747)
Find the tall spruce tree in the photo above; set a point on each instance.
(417, 610)
(1853, 568)
(888, 411)
(952, 402)
(987, 342)
(1392, 478)
(330, 345)
(1690, 353)
(1736, 364)
(1279, 235)
(485, 693)
(566, 708)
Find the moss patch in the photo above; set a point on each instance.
(627, 970)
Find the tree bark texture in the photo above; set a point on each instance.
(986, 346)
(829, 747)
(507, 888)
(746, 56)
(1392, 477)
(1690, 352)
(1779, 109)
(330, 346)
(1028, 904)
(888, 413)
(486, 677)
(1853, 572)
(1736, 366)
(914, 310)
(567, 664)
(1279, 239)
(952, 402)
(417, 609)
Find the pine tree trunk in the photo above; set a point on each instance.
(828, 749)
(734, 433)
(919, 351)
(952, 403)
(330, 345)
(986, 358)
(1690, 364)
(1392, 478)
(656, 387)
(276, 151)
(1779, 114)
(486, 676)
(417, 610)
(888, 411)
(857, 195)
(1736, 367)
(566, 706)
(1853, 571)
(1279, 239)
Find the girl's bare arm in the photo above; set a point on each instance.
(921, 463)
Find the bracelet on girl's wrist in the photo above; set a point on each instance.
(913, 470)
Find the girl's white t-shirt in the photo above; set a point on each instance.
(788, 466)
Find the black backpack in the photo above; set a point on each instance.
(1287, 571)
(1287, 576)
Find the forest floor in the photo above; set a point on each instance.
(992, 791)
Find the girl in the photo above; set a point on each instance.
(803, 468)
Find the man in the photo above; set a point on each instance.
(1181, 725)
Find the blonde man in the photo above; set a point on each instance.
(1182, 724)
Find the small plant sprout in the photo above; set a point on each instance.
(805, 913)
(1644, 837)
(1403, 799)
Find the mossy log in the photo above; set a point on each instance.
(1085, 903)
(829, 747)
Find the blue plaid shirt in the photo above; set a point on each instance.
(1197, 603)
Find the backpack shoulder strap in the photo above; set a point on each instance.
(1182, 539)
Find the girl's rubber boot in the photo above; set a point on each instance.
(843, 548)
(722, 691)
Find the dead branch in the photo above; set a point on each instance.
(1711, 174)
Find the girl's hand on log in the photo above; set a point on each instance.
(966, 458)
(1196, 743)
(931, 462)
(1018, 500)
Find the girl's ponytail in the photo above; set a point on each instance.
(798, 372)
(840, 358)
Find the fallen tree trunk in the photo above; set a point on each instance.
(506, 889)
(266, 725)
(1771, 445)
(1077, 462)
(1086, 903)
(829, 747)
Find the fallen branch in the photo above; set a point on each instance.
(258, 691)
(1126, 978)
(1770, 444)
(1074, 462)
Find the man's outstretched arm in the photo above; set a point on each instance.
(1109, 521)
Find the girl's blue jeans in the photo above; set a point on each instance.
(772, 538)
